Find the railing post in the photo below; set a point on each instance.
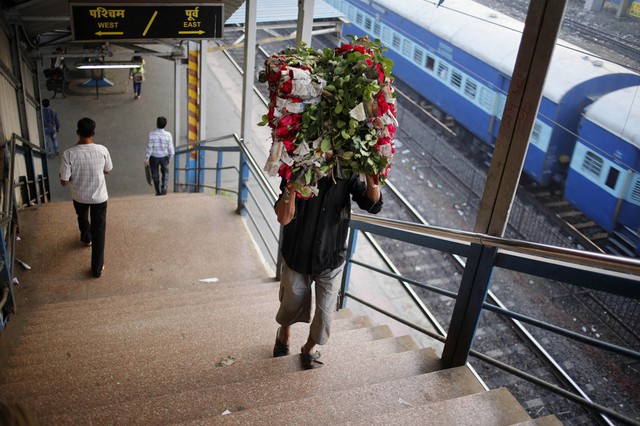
(466, 313)
(243, 178)
(219, 171)
(346, 273)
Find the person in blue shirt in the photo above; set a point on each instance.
(51, 126)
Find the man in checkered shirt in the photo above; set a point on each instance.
(85, 166)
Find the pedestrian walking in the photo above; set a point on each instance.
(159, 152)
(314, 251)
(51, 125)
(84, 166)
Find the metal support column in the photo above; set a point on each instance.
(202, 106)
(247, 121)
(21, 91)
(525, 91)
(305, 21)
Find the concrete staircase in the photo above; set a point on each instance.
(201, 354)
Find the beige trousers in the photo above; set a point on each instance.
(296, 300)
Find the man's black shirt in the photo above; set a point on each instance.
(316, 238)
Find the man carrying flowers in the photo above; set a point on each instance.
(333, 120)
(314, 251)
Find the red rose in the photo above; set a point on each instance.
(381, 75)
(285, 172)
(369, 62)
(287, 86)
(288, 142)
(345, 48)
(383, 106)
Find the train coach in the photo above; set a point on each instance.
(460, 57)
(603, 179)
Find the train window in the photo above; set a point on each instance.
(612, 178)
(431, 63)
(470, 89)
(395, 42)
(406, 48)
(386, 34)
(592, 163)
(418, 55)
(456, 79)
(359, 19)
(376, 29)
(443, 71)
(635, 191)
(368, 23)
(535, 133)
(486, 99)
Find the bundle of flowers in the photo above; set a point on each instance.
(332, 112)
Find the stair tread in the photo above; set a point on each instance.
(122, 385)
(180, 311)
(365, 401)
(495, 407)
(189, 405)
(102, 305)
(213, 346)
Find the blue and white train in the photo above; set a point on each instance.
(460, 57)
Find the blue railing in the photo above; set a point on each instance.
(483, 253)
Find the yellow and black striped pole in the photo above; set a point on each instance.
(193, 117)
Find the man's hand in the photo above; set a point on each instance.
(146, 163)
(373, 189)
(286, 206)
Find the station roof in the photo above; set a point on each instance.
(272, 11)
(49, 21)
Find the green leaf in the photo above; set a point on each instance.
(338, 109)
(325, 145)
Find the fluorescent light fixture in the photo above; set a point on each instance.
(103, 65)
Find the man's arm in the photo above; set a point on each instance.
(373, 190)
(286, 206)
(64, 182)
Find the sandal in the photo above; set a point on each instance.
(280, 349)
(310, 361)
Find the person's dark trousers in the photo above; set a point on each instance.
(163, 164)
(93, 232)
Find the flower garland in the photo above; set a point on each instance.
(332, 113)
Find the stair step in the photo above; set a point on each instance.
(214, 346)
(84, 393)
(496, 407)
(87, 319)
(165, 326)
(105, 306)
(190, 405)
(170, 372)
(365, 401)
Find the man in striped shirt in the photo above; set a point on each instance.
(84, 166)
(159, 152)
